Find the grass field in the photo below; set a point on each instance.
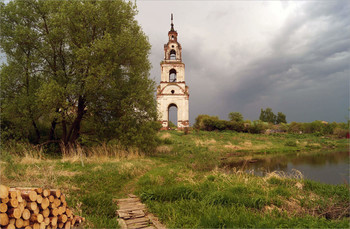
(185, 184)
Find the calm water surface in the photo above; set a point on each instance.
(326, 167)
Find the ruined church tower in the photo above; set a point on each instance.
(172, 90)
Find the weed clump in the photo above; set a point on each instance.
(290, 143)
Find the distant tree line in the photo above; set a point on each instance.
(269, 123)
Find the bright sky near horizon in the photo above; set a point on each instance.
(292, 56)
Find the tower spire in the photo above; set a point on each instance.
(172, 24)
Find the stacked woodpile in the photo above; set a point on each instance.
(35, 208)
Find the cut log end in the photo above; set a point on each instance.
(4, 191)
(19, 223)
(4, 219)
(26, 214)
(3, 207)
(14, 213)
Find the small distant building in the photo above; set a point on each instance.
(172, 90)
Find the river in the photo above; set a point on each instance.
(325, 167)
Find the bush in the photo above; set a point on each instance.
(211, 123)
(290, 143)
(340, 133)
(235, 126)
(295, 127)
(186, 130)
(257, 127)
(199, 123)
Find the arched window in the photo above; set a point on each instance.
(172, 75)
(172, 55)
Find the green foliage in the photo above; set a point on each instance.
(257, 127)
(281, 118)
(171, 125)
(340, 133)
(235, 116)
(231, 200)
(290, 143)
(319, 128)
(267, 115)
(170, 194)
(186, 187)
(295, 127)
(199, 123)
(75, 68)
(211, 123)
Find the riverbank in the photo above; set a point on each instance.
(207, 150)
(185, 183)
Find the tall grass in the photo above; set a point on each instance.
(24, 152)
(28, 153)
(218, 200)
(103, 152)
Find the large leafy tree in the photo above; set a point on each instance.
(235, 116)
(267, 115)
(281, 118)
(78, 67)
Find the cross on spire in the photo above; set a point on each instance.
(172, 24)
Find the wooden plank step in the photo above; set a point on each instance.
(133, 214)
(137, 220)
(126, 204)
(155, 221)
(133, 208)
(138, 225)
(141, 206)
(128, 200)
(124, 215)
(137, 212)
(127, 216)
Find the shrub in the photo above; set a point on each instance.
(257, 127)
(235, 116)
(199, 121)
(340, 133)
(186, 130)
(295, 127)
(290, 143)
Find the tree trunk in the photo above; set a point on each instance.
(64, 133)
(37, 132)
(52, 130)
(74, 131)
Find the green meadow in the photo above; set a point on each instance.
(186, 182)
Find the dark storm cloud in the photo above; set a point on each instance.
(243, 56)
(292, 71)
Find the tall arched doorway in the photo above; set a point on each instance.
(172, 115)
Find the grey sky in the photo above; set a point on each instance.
(243, 56)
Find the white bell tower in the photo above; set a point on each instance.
(172, 90)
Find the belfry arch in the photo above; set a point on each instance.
(172, 75)
(172, 90)
(172, 55)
